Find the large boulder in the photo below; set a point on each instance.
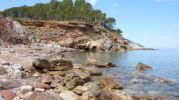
(142, 67)
(54, 65)
(41, 64)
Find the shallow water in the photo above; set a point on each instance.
(165, 64)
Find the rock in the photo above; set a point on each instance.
(62, 89)
(19, 74)
(107, 43)
(86, 96)
(9, 84)
(121, 94)
(52, 92)
(6, 64)
(167, 81)
(61, 65)
(77, 66)
(24, 96)
(142, 67)
(94, 89)
(36, 74)
(7, 94)
(105, 95)
(150, 98)
(69, 95)
(60, 73)
(70, 75)
(41, 85)
(26, 89)
(41, 64)
(91, 61)
(43, 96)
(39, 90)
(93, 70)
(162, 80)
(110, 95)
(109, 82)
(85, 75)
(111, 65)
(55, 83)
(2, 70)
(47, 80)
(1, 98)
(69, 43)
(80, 90)
(107, 65)
(17, 67)
(71, 83)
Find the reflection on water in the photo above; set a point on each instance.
(165, 64)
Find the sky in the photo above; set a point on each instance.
(152, 23)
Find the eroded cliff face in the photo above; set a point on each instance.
(12, 32)
(68, 34)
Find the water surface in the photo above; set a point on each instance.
(165, 65)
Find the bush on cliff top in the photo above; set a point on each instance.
(66, 10)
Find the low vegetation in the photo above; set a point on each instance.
(66, 10)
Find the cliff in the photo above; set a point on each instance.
(67, 34)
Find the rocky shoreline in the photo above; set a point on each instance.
(42, 72)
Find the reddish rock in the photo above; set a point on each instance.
(7, 94)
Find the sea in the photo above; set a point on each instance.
(164, 63)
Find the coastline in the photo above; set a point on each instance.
(89, 71)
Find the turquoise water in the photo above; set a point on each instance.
(165, 65)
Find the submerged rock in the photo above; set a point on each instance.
(150, 98)
(142, 67)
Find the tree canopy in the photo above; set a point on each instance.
(65, 10)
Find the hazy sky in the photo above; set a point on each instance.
(152, 23)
